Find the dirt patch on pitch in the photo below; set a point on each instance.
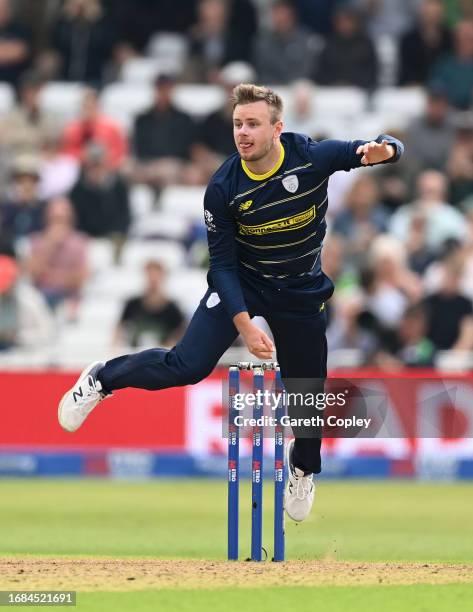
(136, 574)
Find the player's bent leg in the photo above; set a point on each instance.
(302, 354)
(210, 333)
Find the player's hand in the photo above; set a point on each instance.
(375, 152)
(258, 342)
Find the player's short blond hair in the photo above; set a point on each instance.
(245, 93)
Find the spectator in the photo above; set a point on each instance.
(419, 254)
(57, 262)
(242, 27)
(162, 138)
(292, 45)
(84, 39)
(442, 220)
(208, 41)
(454, 71)
(363, 218)
(348, 329)
(301, 114)
(22, 210)
(7, 243)
(24, 317)
(59, 171)
(424, 44)
(95, 127)
(317, 14)
(460, 163)
(333, 265)
(455, 10)
(137, 21)
(450, 314)
(429, 138)
(223, 33)
(152, 318)
(414, 349)
(101, 199)
(349, 57)
(24, 127)
(388, 17)
(15, 45)
(409, 346)
(214, 139)
(389, 285)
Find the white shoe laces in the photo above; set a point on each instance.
(303, 486)
(93, 387)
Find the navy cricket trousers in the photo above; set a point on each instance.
(298, 325)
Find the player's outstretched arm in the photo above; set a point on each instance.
(330, 156)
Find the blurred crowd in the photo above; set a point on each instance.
(400, 238)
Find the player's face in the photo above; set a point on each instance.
(254, 134)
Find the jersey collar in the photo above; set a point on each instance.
(262, 177)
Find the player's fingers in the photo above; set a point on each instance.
(359, 151)
(364, 160)
(267, 343)
(372, 145)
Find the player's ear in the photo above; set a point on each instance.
(278, 129)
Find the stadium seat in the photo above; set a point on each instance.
(140, 70)
(142, 199)
(102, 313)
(7, 98)
(331, 101)
(368, 125)
(160, 225)
(63, 100)
(171, 47)
(136, 253)
(187, 287)
(100, 254)
(199, 100)
(388, 59)
(186, 202)
(117, 283)
(401, 102)
(123, 101)
(340, 101)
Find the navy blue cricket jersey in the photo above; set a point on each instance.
(268, 229)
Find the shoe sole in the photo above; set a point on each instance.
(286, 457)
(63, 399)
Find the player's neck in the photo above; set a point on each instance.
(267, 163)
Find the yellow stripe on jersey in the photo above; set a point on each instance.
(279, 225)
(262, 177)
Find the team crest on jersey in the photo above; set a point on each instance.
(245, 205)
(291, 183)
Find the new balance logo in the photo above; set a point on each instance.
(79, 393)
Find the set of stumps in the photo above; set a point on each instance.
(257, 549)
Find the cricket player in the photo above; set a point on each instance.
(264, 210)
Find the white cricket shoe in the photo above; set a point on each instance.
(77, 403)
(299, 494)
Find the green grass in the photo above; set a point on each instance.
(418, 598)
(374, 521)
(363, 599)
(366, 521)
